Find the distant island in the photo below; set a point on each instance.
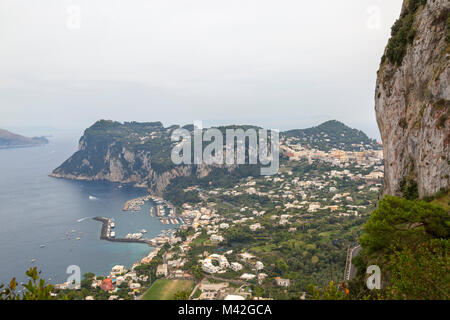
(12, 140)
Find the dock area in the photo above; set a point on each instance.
(106, 233)
(136, 204)
(162, 209)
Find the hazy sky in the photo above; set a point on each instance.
(275, 63)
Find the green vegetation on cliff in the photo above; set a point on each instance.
(403, 32)
(410, 241)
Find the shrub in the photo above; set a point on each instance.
(400, 221)
(34, 289)
(403, 33)
(422, 273)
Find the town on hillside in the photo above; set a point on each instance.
(263, 237)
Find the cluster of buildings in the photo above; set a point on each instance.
(293, 194)
(295, 150)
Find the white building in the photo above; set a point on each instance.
(248, 276)
(118, 269)
(216, 238)
(261, 277)
(162, 270)
(313, 207)
(134, 285)
(208, 267)
(236, 266)
(282, 282)
(259, 265)
(255, 226)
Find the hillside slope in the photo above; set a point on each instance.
(333, 134)
(139, 153)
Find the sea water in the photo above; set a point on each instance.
(47, 222)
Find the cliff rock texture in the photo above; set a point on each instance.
(132, 152)
(412, 100)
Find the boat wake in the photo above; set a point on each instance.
(92, 198)
(82, 219)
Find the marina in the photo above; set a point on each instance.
(162, 209)
(108, 235)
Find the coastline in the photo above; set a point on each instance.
(157, 242)
(23, 146)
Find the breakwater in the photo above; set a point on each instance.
(106, 233)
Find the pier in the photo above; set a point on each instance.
(106, 229)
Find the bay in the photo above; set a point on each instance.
(42, 217)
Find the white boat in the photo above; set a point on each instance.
(113, 234)
(112, 224)
(42, 245)
(135, 236)
(143, 231)
(33, 260)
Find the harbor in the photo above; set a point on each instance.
(164, 210)
(109, 235)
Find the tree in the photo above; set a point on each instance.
(35, 289)
(197, 272)
(409, 240)
(422, 273)
(329, 292)
(404, 221)
(181, 295)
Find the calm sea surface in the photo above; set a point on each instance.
(38, 210)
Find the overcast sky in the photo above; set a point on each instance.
(276, 63)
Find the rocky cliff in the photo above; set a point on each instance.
(136, 153)
(412, 100)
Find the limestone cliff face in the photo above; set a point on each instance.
(412, 100)
(135, 153)
(119, 167)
